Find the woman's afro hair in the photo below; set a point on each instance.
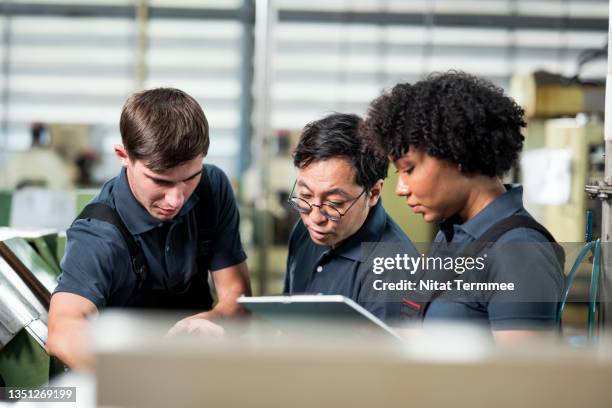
(452, 116)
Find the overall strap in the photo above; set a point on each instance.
(103, 212)
(510, 223)
(205, 208)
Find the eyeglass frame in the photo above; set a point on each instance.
(291, 203)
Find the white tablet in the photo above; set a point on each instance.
(324, 308)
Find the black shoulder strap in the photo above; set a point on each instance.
(103, 212)
(510, 223)
(206, 221)
(417, 301)
(205, 212)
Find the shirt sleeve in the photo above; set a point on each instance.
(227, 248)
(95, 262)
(526, 259)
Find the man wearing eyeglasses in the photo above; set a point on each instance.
(337, 194)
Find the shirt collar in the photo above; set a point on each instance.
(370, 231)
(502, 207)
(136, 218)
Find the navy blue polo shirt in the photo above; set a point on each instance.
(520, 256)
(97, 265)
(313, 268)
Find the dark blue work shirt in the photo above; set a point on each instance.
(97, 265)
(519, 256)
(313, 268)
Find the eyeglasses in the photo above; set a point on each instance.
(327, 210)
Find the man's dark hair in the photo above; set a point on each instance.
(337, 136)
(163, 127)
(453, 116)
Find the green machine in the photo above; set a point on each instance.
(5, 207)
(26, 282)
(49, 244)
(29, 267)
(81, 198)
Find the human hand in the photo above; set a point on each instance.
(197, 324)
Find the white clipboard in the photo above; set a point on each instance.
(325, 308)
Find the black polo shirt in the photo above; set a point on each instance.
(313, 268)
(97, 265)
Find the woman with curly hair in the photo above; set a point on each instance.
(451, 137)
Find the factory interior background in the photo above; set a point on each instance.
(261, 70)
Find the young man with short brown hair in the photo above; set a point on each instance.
(153, 233)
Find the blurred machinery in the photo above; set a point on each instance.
(74, 143)
(564, 152)
(61, 156)
(37, 208)
(564, 149)
(28, 272)
(29, 268)
(41, 165)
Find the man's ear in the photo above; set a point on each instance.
(375, 192)
(122, 155)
